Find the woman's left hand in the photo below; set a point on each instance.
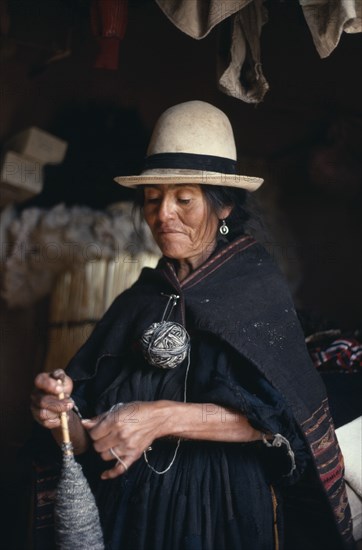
(126, 431)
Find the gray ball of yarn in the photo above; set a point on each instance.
(165, 345)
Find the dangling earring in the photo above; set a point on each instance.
(224, 230)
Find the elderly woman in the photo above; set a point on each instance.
(200, 421)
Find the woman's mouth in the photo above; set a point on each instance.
(168, 230)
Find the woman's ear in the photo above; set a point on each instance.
(225, 212)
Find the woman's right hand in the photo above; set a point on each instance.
(45, 403)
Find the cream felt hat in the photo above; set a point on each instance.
(192, 142)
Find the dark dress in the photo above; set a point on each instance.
(216, 495)
(247, 353)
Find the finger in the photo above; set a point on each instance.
(89, 422)
(46, 383)
(61, 378)
(40, 396)
(98, 427)
(108, 456)
(58, 374)
(103, 444)
(46, 409)
(49, 421)
(44, 401)
(43, 414)
(45, 418)
(117, 470)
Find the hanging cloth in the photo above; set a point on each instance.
(108, 24)
(241, 76)
(327, 19)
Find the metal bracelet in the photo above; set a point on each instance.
(277, 441)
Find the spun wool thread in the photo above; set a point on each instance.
(165, 470)
(75, 512)
(165, 344)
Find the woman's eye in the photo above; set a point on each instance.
(184, 201)
(152, 200)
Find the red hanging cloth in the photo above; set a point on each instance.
(108, 24)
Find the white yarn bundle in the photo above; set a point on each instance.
(165, 344)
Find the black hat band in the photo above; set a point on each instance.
(191, 161)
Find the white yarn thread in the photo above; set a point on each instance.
(165, 345)
(161, 472)
(119, 459)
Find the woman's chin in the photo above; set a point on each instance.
(171, 253)
(172, 250)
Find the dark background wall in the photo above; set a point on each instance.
(304, 139)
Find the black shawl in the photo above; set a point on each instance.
(239, 295)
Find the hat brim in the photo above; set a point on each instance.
(249, 183)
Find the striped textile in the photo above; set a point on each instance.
(342, 353)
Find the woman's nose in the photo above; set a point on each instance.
(166, 209)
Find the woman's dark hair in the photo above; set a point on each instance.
(219, 197)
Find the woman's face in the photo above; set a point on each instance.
(181, 222)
